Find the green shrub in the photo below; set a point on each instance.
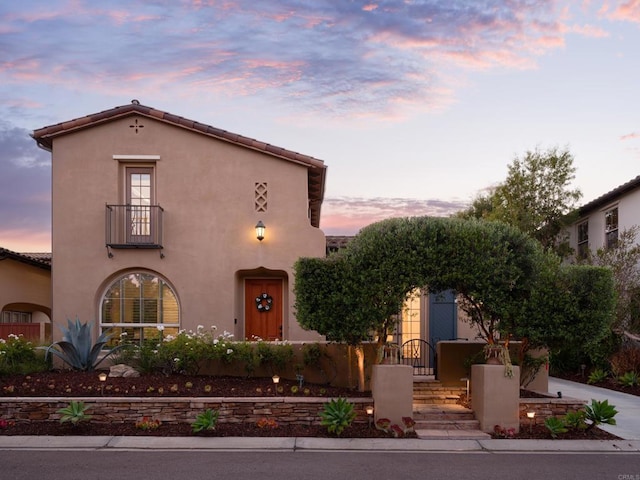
(206, 420)
(597, 376)
(337, 415)
(75, 412)
(576, 420)
(600, 412)
(19, 356)
(555, 426)
(629, 379)
(276, 355)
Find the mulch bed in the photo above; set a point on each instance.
(609, 383)
(86, 384)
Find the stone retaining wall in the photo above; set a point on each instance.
(287, 410)
(548, 407)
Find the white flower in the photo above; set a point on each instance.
(176, 360)
(169, 338)
(123, 334)
(229, 351)
(199, 327)
(160, 327)
(213, 327)
(2, 340)
(216, 341)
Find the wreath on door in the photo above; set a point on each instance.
(263, 302)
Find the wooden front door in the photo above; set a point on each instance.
(263, 309)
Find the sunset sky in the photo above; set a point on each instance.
(416, 106)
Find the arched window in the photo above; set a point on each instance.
(140, 305)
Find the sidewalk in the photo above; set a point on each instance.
(628, 406)
(313, 444)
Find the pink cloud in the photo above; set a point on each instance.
(20, 240)
(347, 215)
(627, 11)
(589, 31)
(630, 136)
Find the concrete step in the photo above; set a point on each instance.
(444, 417)
(447, 425)
(425, 399)
(417, 416)
(426, 434)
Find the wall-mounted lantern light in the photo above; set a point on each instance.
(260, 227)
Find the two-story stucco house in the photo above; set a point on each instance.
(601, 221)
(154, 224)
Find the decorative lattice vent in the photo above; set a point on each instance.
(261, 197)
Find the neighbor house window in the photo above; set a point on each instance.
(15, 317)
(583, 239)
(611, 227)
(140, 305)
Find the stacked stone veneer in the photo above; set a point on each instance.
(548, 407)
(286, 410)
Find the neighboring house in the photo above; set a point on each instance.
(154, 222)
(25, 294)
(601, 221)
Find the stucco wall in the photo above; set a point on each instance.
(26, 288)
(206, 188)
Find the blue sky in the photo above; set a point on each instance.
(416, 106)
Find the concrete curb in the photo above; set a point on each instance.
(313, 444)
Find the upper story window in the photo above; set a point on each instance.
(583, 239)
(136, 220)
(611, 227)
(139, 199)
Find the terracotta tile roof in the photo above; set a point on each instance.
(609, 197)
(316, 168)
(41, 260)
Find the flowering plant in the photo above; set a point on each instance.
(147, 423)
(267, 423)
(4, 424)
(408, 423)
(383, 424)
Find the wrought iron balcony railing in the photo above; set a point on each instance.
(134, 226)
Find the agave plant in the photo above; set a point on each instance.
(76, 349)
(75, 412)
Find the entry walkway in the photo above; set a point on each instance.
(628, 406)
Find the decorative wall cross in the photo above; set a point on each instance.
(136, 126)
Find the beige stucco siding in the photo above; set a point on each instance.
(206, 187)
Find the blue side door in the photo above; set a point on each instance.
(443, 317)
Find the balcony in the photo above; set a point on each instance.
(134, 226)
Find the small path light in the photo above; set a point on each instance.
(531, 416)
(276, 381)
(103, 378)
(369, 410)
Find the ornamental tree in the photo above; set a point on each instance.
(507, 283)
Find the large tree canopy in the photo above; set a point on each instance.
(508, 284)
(535, 197)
